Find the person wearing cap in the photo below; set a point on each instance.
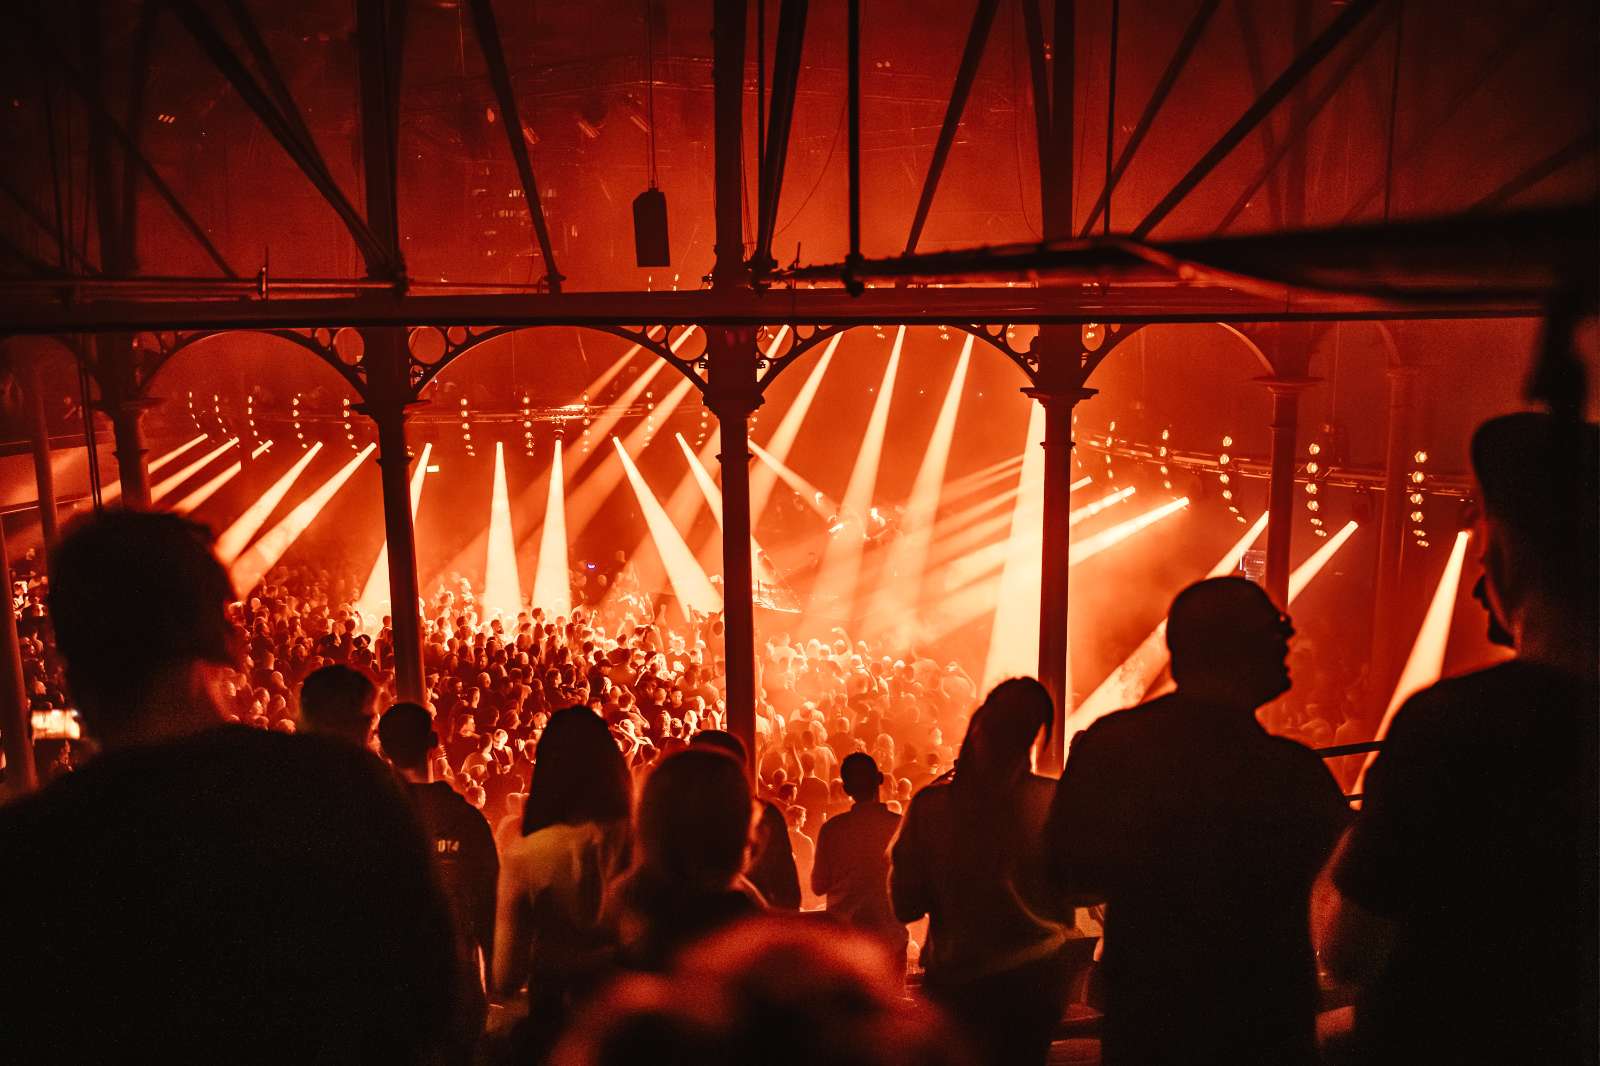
(1466, 902)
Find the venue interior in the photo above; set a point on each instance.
(802, 352)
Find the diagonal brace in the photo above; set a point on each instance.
(971, 56)
(494, 58)
(1296, 72)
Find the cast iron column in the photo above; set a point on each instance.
(732, 394)
(732, 390)
(44, 474)
(1055, 560)
(18, 722)
(389, 392)
(1285, 427)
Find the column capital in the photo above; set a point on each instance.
(1069, 396)
(1286, 383)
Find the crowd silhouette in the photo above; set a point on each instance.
(563, 859)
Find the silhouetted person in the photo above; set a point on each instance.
(970, 856)
(775, 991)
(1203, 834)
(205, 893)
(852, 863)
(462, 845)
(772, 868)
(339, 701)
(691, 839)
(575, 840)
(1467, 884)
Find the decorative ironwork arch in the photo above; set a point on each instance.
(154, 350)
(457, 341)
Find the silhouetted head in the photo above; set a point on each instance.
(695, 818)
(139, 603)
(721, 740)
(1229, 642)
(339, 701)
(1535, 529)
(406, 734)
(783, 991)
(861, 776)
(998, 747)
(579, 774)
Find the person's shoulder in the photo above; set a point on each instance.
(1461, 704)
(1128, 725)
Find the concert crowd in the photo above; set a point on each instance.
(564, 856)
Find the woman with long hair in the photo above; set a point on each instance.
(575, 839)
(970, 856)
(696, 822)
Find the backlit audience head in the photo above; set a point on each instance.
(139, 602)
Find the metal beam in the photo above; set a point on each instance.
(971, 57)
(35, 214)
(1313, 107)
(1152, 108)
(775, 152)
(284, 130)
(1578, 148)
(494, 58)
(1038, 72)
(919, 305)
(100, 116)
(380, 31)
(1307, 61)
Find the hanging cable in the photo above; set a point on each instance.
(650, 83)
(1394, 109)
(1111, 107)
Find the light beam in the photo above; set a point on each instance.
(162, 488)
(552, 587)
(250, 567)
(764, 479)
(900, 583)
(502, 590)
(235, 538)
(689, 582)
(1426, 661)
(209, 489)
(841, 557)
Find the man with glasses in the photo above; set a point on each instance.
(1203, 834)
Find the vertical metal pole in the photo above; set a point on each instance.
(732, 390)
(733, 394)
(853, 9)
(1284, 428)
(1391, 527)
(1055, 563)
(21, 776)
(39, 430)
(388, 370)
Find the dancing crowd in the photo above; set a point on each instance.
(563, 855)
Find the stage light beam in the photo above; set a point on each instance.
(689, 582)
(502, 589)
(900, 583)
(841, 557)
(237, 536)
(764, 479)
(1426, 661)
(161, 489)
(251, 566)
(210, 488)
(552, 587)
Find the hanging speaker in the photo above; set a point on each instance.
(650, 229)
